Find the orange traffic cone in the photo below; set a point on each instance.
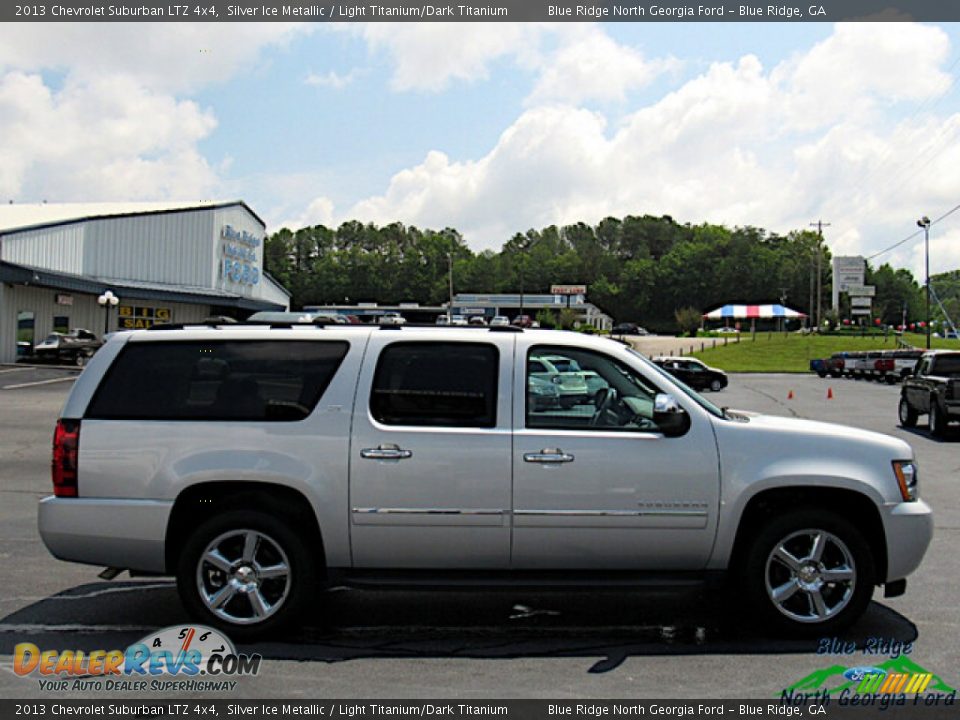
(829, 393)
(790, 395)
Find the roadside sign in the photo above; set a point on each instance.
(848, 271)
(861, 290)
(859, 311)
(860, 302)
(568, 289)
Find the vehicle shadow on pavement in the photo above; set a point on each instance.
(351, 624)
(951, 433)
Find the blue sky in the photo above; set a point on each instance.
(495, 129)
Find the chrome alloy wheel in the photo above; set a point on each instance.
(243, 576)
(810, 576)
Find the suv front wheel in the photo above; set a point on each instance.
(808, 572)
(908, 416)
(245, 572)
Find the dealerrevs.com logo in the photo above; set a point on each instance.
(177, 658)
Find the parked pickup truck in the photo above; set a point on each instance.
(932, 390)
(75, 348)
(274, 461)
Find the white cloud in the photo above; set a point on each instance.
(429, 56)
(112, 122)
(592, 66)
(108, 139)
(739, 144)
(318, 212)
(331, 79)
(168, 57)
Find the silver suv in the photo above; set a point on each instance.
(259, 464)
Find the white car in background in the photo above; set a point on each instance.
(392, 318)
(571, 383)
(499, 321)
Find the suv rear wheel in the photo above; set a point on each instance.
(246, 572)
(808, 572)
(936, 420)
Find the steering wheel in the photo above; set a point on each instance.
(603, 401)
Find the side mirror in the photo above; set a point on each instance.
(671, 419)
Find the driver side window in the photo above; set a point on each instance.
(575, 389)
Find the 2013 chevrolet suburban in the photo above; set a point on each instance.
(258, 464)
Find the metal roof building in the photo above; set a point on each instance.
(166, 262)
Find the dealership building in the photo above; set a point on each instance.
(512, 304)
(163, 262)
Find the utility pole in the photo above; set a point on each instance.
(820, 225)
(450, 282)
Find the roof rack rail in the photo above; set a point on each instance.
(327, 323)
(181, 326)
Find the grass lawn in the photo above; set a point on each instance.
(791, 352)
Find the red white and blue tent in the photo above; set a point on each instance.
(752, 312)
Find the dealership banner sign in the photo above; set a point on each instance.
(479, 11)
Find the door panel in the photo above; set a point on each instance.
(424, 496)
(623, 499)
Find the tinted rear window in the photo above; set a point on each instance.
(225, 380)
(442, 384)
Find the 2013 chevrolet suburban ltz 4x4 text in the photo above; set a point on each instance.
(258, 464)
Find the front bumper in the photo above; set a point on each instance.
(909, 529)
(112, 532)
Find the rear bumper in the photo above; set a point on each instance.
(115, 533)
(909, 529)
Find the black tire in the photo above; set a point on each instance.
(908, 416)
(891, 379)
(299, 586)
(716, 385)
(821, 373)
(936, 419)
(846, 550)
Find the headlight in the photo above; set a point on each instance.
(906, 472)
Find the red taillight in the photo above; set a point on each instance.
(66, 447)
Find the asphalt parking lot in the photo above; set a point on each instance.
(481, 644)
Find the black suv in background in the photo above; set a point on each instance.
(628, 329)
(932, 389)
(694, 373)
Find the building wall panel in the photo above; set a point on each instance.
(171, 248)
(57, 248)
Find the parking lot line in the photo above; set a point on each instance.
(39, 382)
(10, 370)
(37, 628)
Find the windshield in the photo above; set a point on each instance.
(694, 395)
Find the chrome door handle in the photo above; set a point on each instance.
(548, 455)
(386, 452)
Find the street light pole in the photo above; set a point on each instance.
(924, 222)
(107, 299)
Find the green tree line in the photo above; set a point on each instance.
(638, 268)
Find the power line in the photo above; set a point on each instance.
(914, 234)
